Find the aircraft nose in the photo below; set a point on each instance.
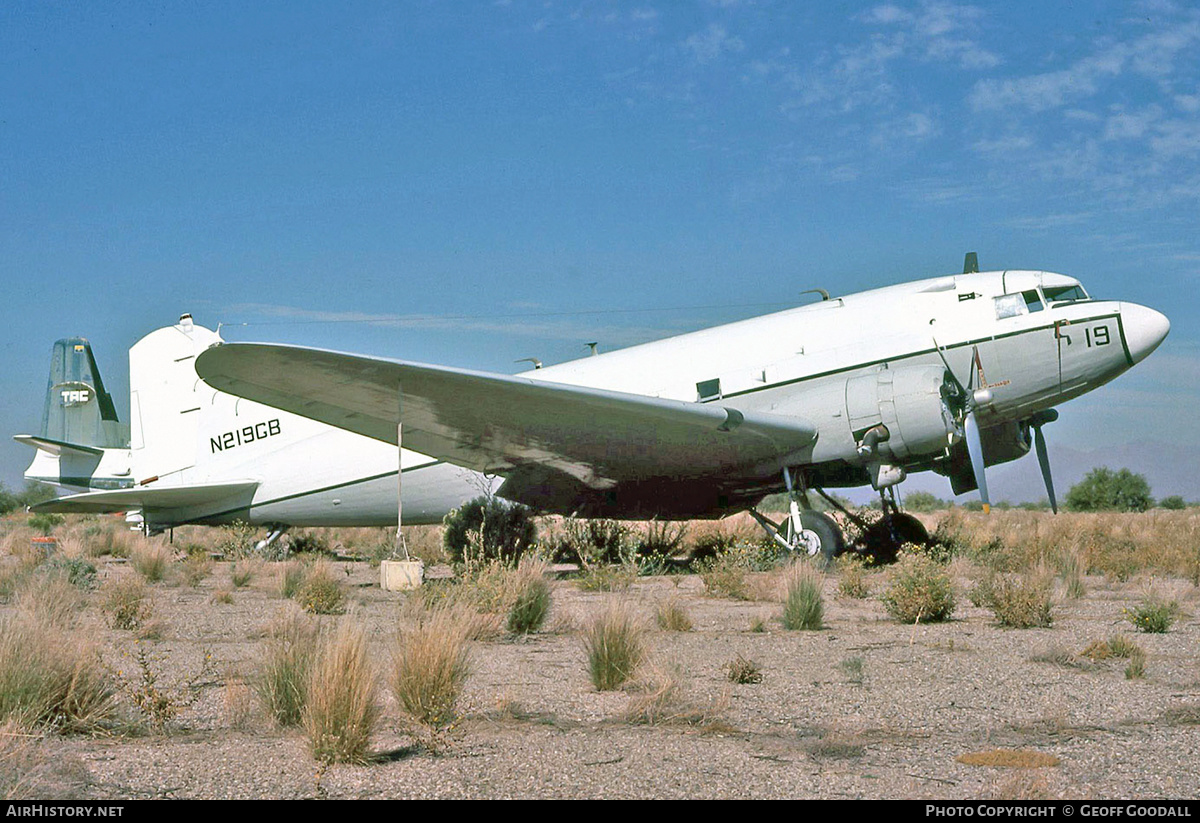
(1144, 328)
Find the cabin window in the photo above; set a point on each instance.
(1064, 294)
(1014, 305)
(1010, 305)
(709, 389)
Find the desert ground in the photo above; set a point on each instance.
(867, 706)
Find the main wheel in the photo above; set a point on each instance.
(819, 535)
(882, 541)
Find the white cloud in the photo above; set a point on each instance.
(708, 45)
(1153, 55)
(1126, 125)
(937, 31)
(910, 128)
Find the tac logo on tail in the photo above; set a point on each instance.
(73, 394)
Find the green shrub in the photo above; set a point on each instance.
(320, 593)
(75, 570)
(924, 502)
(852, 577)
(595, 542)
(662, 539)
(919, 591)
(45, 522)
(1105, 490)
(237, 540)
(488, 528)
(1153, 615)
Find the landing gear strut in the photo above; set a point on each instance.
(809, 532)
(805, 531)
(277, 531)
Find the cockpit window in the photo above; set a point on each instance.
(1014, 305)
(1064, 294)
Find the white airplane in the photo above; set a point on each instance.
(950, 374)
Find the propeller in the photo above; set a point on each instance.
(972, 399)
(1039, 441)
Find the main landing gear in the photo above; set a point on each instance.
(813, 533)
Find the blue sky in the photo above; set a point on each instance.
(494, 180)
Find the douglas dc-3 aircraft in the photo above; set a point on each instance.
(950, 374)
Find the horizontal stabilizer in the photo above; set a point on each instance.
(148, 497)
(498, 423)
(57, 447)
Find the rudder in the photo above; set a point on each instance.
(78, 410)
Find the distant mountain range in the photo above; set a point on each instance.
(1169, 470)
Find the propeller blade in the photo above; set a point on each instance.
(1039, 441)
(975, 450)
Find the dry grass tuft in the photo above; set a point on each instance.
(31, 770)
(672, 616)
(51, 599)
(243, 572)
(1009, 759)
(237, 703)
(853, 579)
(615, 646)
(743, 671)
(1022, 602)
(529, 597)
(151, 560)
(291, 578)
(51, 677)
(282, 681)
(431, 663)
(195, 569)
(342, 708)
(803, 605)
(126, 603)
(661, 699)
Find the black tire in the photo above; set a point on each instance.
(882, 541)
(909, 529)
(827, 531)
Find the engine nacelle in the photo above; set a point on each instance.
(1002, 443)
(910, 403)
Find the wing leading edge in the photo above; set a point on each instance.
(560, 447)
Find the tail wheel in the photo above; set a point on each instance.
(819, 535)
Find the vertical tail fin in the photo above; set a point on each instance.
(78, 410)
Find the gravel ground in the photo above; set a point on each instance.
(866, 708)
